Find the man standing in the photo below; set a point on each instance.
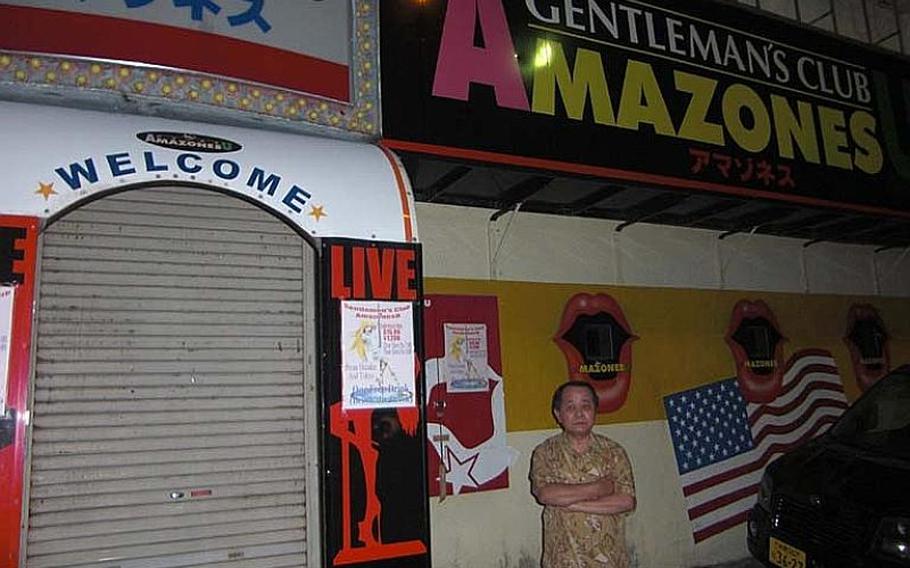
(584, 481)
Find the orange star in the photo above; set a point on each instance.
(317, 212)
(45, 190)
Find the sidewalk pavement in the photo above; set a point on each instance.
(743, 563)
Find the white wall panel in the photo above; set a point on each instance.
(455, 244)
(655, 255)
(548, 248)
(551, 248)
(750, 261)
(840, 269)
(892, 268)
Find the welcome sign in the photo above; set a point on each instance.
(677, 93)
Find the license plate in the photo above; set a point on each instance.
(782, 554)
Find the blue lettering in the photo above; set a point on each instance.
(120, 164)
(76, 171)
(150, 165)
(233, 169)
(182, 160)
(258, 177)
(293, 197)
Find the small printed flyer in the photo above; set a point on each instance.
(377, 361)
(6, 332)
(466, 357)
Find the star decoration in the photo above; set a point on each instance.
(317, 212)
(45, 190)
(458, 472)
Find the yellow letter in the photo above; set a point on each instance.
(588, 78)
(640, 83)
(735, 99)
(868, 155)
(790, 129)
(694, 125)
(834, 137)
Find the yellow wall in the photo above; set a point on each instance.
(681, 341)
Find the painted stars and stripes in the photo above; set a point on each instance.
(723, 443)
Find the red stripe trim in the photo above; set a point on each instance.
(617, 174)
(402, 194)
(721, 501)
(759, 463)
(70, 33)
(720, 527)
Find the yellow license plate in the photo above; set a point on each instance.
(786, 556)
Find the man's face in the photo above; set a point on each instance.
(576, 412)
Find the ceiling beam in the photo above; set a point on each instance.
(519, 193)
(651, 207)
(588, 202)
(752, 221)
(438, 187)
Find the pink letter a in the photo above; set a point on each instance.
(460, 63)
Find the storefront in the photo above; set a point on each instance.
(670, 200)
(205, 326)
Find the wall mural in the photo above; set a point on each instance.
(867, 339)
(596, 339)
(725, 432)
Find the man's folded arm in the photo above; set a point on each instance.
(606, 505)
(565, 494)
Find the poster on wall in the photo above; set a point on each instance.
(467, 450)
(466, 357)
(377, 361)
(6, 330)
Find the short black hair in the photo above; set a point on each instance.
(557, 396)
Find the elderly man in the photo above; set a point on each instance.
(584, 481)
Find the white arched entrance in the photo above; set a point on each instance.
(170, 411)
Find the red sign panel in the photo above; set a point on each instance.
(18, 247)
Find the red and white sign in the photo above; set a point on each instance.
(303, 45)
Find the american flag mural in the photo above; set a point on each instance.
(723, 442)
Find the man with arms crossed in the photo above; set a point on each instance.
(584, 481)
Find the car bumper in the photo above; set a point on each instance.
(758, 530)
(758, 533)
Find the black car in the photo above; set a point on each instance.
(844, 498)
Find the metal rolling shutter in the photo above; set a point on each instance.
(169, 403)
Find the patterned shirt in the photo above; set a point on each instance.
(576, 539)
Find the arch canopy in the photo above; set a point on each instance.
(55, 158)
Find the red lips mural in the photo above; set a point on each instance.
(867, 340)
(597, 341)
(757, 346)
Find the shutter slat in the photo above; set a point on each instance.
(169, 397)
(148, 523)
(79, 476)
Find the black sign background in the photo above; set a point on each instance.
(398, 524)
(414, 119)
